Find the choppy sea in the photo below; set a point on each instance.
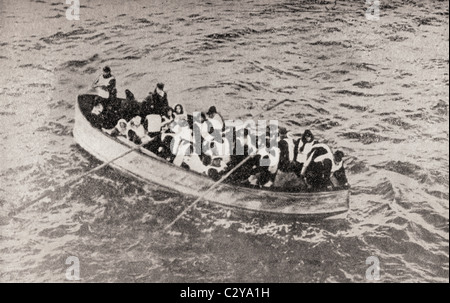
(378, 90)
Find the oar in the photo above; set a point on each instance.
(224, 177)
(70, 182)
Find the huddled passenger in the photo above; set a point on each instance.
(179, 112)
(285, 178)
(136, 131)
(215, 118)
(100, 117)
(167, 118)
(121, 129)
(321, 166)
(129, 106)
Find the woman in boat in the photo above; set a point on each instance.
(179, 112)
(136, 131)
(215, 118)
(121, 129)
(167, 118)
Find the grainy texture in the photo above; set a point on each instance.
(378, 90)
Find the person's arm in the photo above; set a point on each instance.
(111, 85)
(308, 161)
(94, 84)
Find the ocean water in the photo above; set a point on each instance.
(378, 90)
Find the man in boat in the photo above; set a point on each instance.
(129, 107)
(156, 102)
(101, 118)
(105, 84)
(324, 170)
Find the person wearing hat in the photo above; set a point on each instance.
(105, 84)
(159, 98)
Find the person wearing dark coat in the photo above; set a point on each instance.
(129, 106)
(159, 98)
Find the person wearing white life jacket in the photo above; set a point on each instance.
(324, 170)
(136, 131)
(265, 172)
(105, 84)
(121, 129)
(215, 118)
(178, 138)
(302, 149)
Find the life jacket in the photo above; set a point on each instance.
(153, 122)
(103, 82)
(136, 126)
(122, 131)
(302, 156)
(335, 167)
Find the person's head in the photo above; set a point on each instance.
(129, 95)
(307, 136)
(98, 106)
(338, 156)
(282, 133)
(179, 110)
(106, 71)
(136, 121)
(160, 86)
(211, 112)
(169, 112)
(122, 124)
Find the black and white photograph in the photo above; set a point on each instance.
(216, 142)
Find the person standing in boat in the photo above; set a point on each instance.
(105, 84)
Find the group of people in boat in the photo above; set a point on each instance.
(283, 162)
